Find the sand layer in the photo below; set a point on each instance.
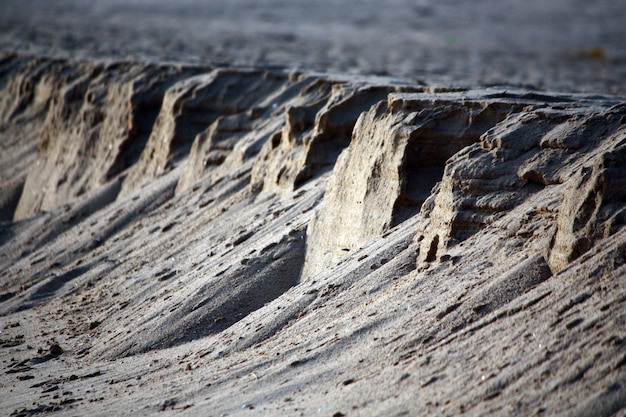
(243, 235)
(201, 241)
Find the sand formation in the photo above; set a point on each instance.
(203, 241)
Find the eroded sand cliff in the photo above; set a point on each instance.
(220, 241)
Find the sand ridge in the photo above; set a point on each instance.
(312, 208)
(221, 241)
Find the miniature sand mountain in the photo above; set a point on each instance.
(219, 241)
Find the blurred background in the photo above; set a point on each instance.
(563, 45)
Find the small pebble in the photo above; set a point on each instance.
(56, 350)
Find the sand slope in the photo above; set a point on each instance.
(199, 241)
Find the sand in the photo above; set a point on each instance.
(312, 209)
(569, 46)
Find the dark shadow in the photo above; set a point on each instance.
(6, 296)
(9, 198)
(439, 134)
(432, 251)
(335, 125)
(222, 303)
(57, 282)
(146, 107)
(6, 232)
